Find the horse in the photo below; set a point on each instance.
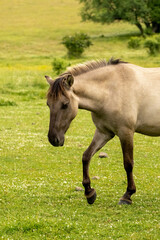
(123, 98)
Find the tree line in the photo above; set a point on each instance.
(145, 14)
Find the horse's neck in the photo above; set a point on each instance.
(87, 92)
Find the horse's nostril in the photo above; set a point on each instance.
(53, 140)
(56, 141)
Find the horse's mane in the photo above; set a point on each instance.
(92, 65)
(58, 88)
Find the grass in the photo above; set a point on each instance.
(37, 182)
(38, 197)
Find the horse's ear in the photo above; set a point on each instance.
(68, 80)
(49, 80)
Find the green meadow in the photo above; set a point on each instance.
(37, 181)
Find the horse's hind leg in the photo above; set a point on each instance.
(126, 139)
(99, 140)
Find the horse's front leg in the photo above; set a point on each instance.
(126, 139)
(99, 140)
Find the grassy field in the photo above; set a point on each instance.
(37, 182)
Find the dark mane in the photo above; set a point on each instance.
(58, 88)
(92, 65)
(113, 61)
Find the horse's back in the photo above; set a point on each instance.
(148, 100)
(133, 100)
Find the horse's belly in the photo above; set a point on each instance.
(147, 130)
(149, 125)
(148, 116)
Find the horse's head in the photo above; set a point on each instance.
(63, 107)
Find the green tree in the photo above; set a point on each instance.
(138, 12)
(154, 7)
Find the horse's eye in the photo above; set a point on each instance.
(64, 105)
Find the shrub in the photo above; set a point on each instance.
(148, 31)
(76, 44)
(134, 42)
(153, 45)
(59, 65)
(157, 37)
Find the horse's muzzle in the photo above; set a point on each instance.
(56, 141)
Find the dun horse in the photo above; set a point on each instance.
(123, 98)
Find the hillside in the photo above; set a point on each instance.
(31, 33)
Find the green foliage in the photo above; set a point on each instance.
(153, 45)
(76, 44)
(59, 65)
(137, 12)
(134, 42)
(148, 32)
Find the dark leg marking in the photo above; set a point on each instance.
(127, 148)
(99, 140)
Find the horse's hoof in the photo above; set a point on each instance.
(125, 202)
(92, 199)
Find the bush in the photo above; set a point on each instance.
(148, 32)
(59, 65)
(153, 45)
(76, 44)
(157, 37)
(134, 42)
